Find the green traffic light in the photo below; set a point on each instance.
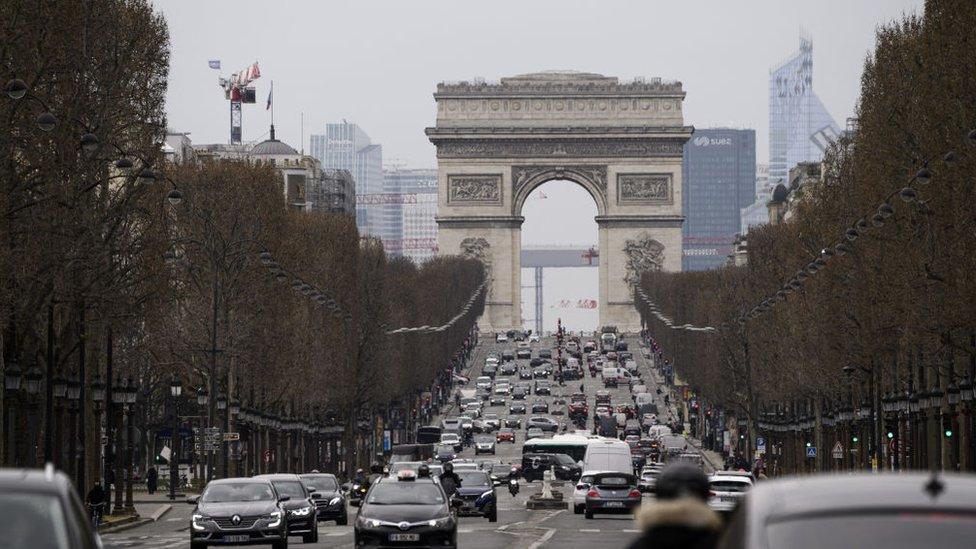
(854, 439)
(808, 445)
(891, 435)
(948, 433)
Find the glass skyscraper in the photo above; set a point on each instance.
(413, 213)
(719, 174)
(800, 128)
(345, 146)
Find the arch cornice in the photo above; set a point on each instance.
(592, 177)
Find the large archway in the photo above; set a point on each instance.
(560, 258)
(621, 142)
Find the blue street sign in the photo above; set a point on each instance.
(811, 451)
(760, 444)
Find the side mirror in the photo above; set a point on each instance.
(284, 498)
(192, 500)
(316, 495)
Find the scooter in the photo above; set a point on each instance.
(513, 487)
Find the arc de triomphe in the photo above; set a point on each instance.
(622, 142)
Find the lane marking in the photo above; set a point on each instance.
(592, 530)
(631, 531)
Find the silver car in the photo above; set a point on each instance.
(726, 491)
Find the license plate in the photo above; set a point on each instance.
(730, 499)
(235, 539)
(613, 504)
(404, 537)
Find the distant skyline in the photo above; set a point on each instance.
(377, 63)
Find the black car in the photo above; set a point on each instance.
(544, 423)
(516, 408)
(299, 507)
(330, 502)
(508, 369)
(497, 400)
(540, 407)
(525, 372)
(444, 452)
(534, 465)
(42, 509)
(518, 393)
(489, 370)
(542, 372)
(514, 422)
(477, 495)
(523, 354)
(537, 362)
(545, 353)
(508, 356)
(406, 512)
(542, 387)
(239, 511)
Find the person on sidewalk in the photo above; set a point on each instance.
(152, 477)
(680, 516)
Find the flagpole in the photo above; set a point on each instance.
(272, 102)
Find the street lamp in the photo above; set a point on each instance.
(34, 377)
(202, 397)
(131, 393)
(175, 391)
(12, 376)
(221, 402)
(953, 392)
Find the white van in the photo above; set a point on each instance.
(622, 375)
(657, 431)
(608, 454)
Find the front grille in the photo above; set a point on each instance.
(225, 523)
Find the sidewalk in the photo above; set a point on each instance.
(149, 508)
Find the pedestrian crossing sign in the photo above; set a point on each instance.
(811, 451)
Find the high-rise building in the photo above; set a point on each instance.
(345, 146)
(800, 128)
(719, 174)
(416, 208)
(756, 213)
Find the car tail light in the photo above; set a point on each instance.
(635, 493)
(593, 494)
(711, 493)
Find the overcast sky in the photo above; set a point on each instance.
(377, 62)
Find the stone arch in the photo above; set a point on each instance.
(526, 179)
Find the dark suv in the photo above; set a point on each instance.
(477, 495)
(330, 502)
(300, 508)
(42, 509)
(239, 511)
(534, 465)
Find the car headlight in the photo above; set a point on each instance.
(485, 494)
(275, 518)
(197, 519)
(367, 523)
(300, 512)
(335, 500)
(441, 522)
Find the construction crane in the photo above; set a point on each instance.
(238, 90)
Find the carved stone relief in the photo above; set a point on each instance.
(643, 254)
(554, 148)
(476, 247)
(526, 175)
(644, 188)
(474, 189)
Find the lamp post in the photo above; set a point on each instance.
(12, 379)
(222, 414)
(233, 411)
(175, 390)
(74, 393)
(33, 380)
(131, 394)
(59, 389)
(203, 398)
(98, 396)
(116, 442)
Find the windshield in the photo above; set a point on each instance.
(932, 530)
(473, 478)
(238, 491)
(293, 490)
(563, 459)
(405, 493)
(321, 484)
(445, 449)
(32, 520)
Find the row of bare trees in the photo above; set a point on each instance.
(865, 296)
(104, 268)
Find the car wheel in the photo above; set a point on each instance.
(342, 521)
(197, 545)
(577, 509)
(493, 517)
(588, 514)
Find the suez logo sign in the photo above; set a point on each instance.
(704, 141)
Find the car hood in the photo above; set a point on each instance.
(473, 490)
(295, 504)
(403, 513)
(226, 509)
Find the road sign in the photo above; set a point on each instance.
(230, 437)
(838, 451)
(760, 444)
(811, 451)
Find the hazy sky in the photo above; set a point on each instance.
(377, 63)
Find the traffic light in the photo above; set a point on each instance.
(947, 426)
(854, 439)
(809, 445)
(891, 435)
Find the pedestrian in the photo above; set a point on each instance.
(152, 477)
(679, 517)
(582, 388)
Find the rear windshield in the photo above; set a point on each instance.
(33, 520)
(470, 479)
(932, 530)
(614, 481)
(729, 486)
(292, 489)
(321, 484)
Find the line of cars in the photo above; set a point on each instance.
(265, 509)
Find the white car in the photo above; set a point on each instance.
(726, 490)
(502, 389)
(501, 338)
(522, 345)
(483, 382)
(534, 338)
(580, 490)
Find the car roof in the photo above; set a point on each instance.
(279, 476)
(234, 480)
(34, 480)
(724, 478)
(844, 493)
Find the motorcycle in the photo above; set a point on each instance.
(357, 493)
(513, 487)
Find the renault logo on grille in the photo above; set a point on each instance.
(404, 525)
(236, 519)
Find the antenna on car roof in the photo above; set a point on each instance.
(934, 487)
